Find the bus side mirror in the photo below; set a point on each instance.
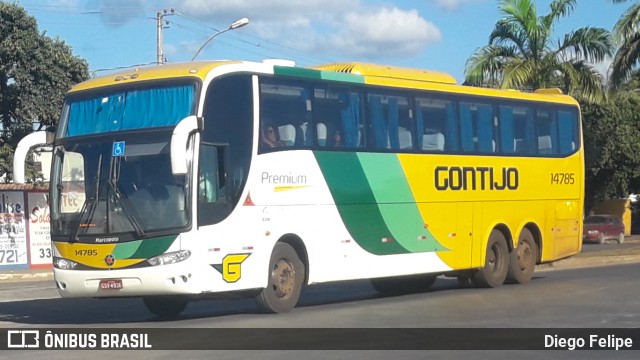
(38, 138)
(179, 139)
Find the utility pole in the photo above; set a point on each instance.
(159, 26)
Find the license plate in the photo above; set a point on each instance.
(110, 284)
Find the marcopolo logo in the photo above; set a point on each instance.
(23, 339)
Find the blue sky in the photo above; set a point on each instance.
(430, 34)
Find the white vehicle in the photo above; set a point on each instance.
(185, 181)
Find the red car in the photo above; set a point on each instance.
(599, 228)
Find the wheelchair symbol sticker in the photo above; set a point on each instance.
(118, 148)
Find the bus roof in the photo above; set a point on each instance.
(196, 69)
(432, 80)
(354, 72)
(390, 72)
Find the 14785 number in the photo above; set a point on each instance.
(563, 178)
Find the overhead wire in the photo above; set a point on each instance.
(244, 41)
(258, 42)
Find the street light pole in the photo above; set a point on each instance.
(236, 24)
(159, 26)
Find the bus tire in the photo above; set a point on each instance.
(165, 306)
(523, 259)
(496, 262)
(286, 275)
(399, 285)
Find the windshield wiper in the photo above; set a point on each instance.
(127, 209)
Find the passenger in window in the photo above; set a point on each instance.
(270, 137)
(338, 139)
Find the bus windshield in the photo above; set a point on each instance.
(126, 109)
(117, 184)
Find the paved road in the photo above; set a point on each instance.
(590, 297)
(597, 297)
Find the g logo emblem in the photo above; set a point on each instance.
(231, 268)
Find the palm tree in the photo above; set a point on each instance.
(522, 55)
(626, 32)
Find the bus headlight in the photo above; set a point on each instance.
(170, 258)
(64, 264)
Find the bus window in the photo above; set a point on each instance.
(386, 113)
(129, 110)
(212, 201)
(547, 132)
(436, 125)
(516, 129)
(228, 114)
(286, 110)
(337, 117)
(476, 127)
(72, 178)
(567, 131)
(327, 116)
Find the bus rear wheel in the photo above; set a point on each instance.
(523, 259)
(496, 262)
(286, 275)
(165, 306)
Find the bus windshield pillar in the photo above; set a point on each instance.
(179, 139)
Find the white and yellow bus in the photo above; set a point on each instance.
(184, 181)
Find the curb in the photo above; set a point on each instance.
(577, 262)
(27, 275)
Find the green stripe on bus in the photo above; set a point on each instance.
(317, 74)
(296, 71)
(396, 203)
(356, 202)
(153, 247)
(336, 76)
(126, 250)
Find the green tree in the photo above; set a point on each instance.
(612, 151)
(35, 73)
(522, 55)
(626, 33)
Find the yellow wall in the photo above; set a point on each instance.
(618, 207)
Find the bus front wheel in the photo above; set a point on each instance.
(165, 306)
(286, 275)
(496, 262)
